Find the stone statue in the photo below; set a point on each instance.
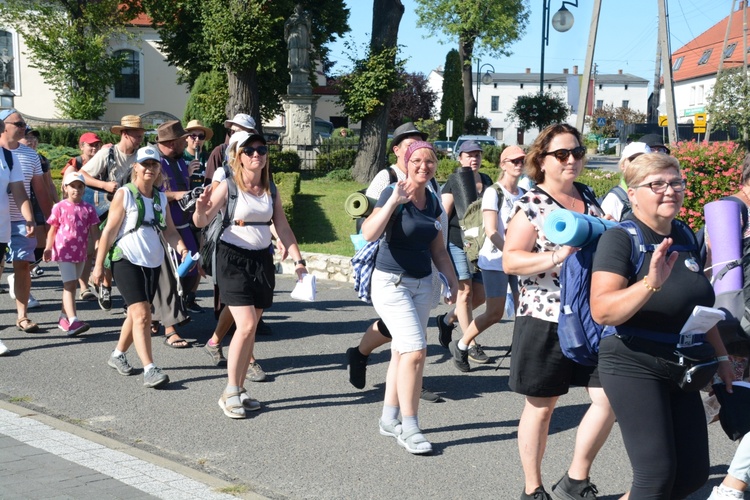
(297, 33)
(5, 60)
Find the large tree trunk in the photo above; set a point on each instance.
(371, 155)
(465, 53)
(244, 95)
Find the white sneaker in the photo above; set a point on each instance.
(33, 303)
(3, 349)
(11, 285)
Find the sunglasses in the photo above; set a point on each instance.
(517, 162)
(198, 137)
(249, 150)
(17, 124)
(562, 155)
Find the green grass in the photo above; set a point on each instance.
(320, 223)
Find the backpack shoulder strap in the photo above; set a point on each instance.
(392, 175)
(79, 163)
(159, 218)
(8, 158)
(621, 195)
(638, 247)
(231, 201)
(138, 203)
(500, 195)
(588, 195)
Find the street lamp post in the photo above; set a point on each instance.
(486, 79)
(562, 21)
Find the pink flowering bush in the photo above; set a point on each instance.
(712, 170)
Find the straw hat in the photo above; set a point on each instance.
(128, 122)
(197, 125)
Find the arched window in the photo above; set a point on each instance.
(129, 84)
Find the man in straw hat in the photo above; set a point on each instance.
(194, 154)
(102, 172)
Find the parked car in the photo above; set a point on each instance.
(445, 147)
(483, 140)
(606, 144)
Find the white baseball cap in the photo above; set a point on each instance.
(148, 153)
(72, 177)
(635, 148)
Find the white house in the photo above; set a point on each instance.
(498, 96)
(148, 83)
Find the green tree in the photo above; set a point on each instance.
(484, 26)
(245, 39)
(727, 104)
(611, 114)
(452, 105)
(414, 101)
(207, 102)
(69, 43)
(539, 110)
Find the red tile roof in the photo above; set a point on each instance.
(712, 38)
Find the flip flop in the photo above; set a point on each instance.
(176, 344)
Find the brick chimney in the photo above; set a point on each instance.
(619, 71)
(575, 69)
(528, 70)
(565, 71)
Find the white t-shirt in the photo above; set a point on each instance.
(219, 175)
(26, 161)
(97, 165)
(490, 258)
(7, 176)
(142, 247)
(612, 205)
(250, 208)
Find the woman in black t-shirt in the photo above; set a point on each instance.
(663, 427)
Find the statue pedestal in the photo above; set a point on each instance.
(299, 111)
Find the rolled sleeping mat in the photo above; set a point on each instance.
(358, 205)
(564, 227)
(466, 193)
(724, 227)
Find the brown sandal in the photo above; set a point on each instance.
(26, 325)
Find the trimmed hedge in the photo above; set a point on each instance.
(66, 136)
(341, 159)
(284, 161)
(288, 185)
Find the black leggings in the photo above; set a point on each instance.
(665, 435)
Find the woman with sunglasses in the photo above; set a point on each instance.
(663, 427)
(538, 369)
(244, 270)
(141, 254)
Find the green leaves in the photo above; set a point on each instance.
(728, 103)
(539, 110)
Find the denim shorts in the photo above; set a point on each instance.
(461, 265)
(496, 283)
(21, 247)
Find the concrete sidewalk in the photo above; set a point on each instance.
(42, 458)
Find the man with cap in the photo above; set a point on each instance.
(655, 142)
(169, 309)
(89, 143)
(470, 284)
(241, 121)
(377, 334)
(103, 173)
(497, 210)
(616, 202)
(194, 154)
(22, 240)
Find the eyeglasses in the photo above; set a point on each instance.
(250, 151)
(17, 124)
(198, 137)
(519, 161)
(562, 155)
(427, 162)
(659, 187)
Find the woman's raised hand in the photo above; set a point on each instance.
(662, 263)
(400, 194)
(204, 200)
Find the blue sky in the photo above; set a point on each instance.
(626, 38)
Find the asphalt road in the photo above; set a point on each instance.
(316, 436)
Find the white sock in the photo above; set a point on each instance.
(389, 414)
(722, 491)
(462, 346)
(73, 319)
(148, 367)
(116, 353)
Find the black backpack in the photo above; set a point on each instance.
(621, 195)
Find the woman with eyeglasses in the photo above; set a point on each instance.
(538, 368)
(244, 270)
(663, 427)
(407, 217)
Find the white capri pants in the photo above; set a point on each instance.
(740, 466)
(70, 271)
(403, 303)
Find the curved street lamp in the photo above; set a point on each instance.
(562, 21)
(486, 79)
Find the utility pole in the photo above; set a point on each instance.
(666, 62)
(583, 96)
(654, 111)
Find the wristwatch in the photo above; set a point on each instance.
(301, 261)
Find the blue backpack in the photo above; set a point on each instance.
(578, 332)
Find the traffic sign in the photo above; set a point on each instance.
(700, 119)
(619, 124)
(663, 122)
(601, 121)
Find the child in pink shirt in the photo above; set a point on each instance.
(70, 222)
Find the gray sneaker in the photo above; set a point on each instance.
(477, 355)
(217, 355)
(255, 373)
(155, 378)
(460, 358)
(120, 363)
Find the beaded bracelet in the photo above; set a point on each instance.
(649, 287)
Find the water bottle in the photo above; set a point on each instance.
(187, 264)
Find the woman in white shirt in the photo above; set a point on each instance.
(136, 255)
(495, 214)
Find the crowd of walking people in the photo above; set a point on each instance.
(152, 202)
